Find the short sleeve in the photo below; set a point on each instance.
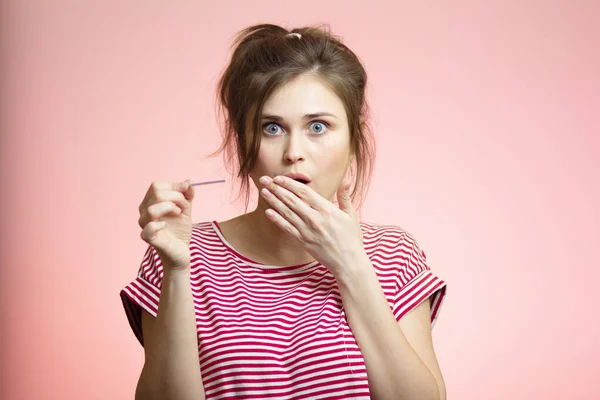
(143, 292)
(415, 281)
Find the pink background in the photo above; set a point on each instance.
(486, 115)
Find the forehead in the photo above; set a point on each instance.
(307, 94)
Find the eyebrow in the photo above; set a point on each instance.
(307, 116)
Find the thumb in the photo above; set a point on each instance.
(187, 190)
(344, 200)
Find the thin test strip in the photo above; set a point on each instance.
(207, 182)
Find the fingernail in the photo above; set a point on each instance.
(265, 180)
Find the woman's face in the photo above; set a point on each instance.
(305, 130)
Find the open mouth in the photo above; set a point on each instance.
(298, 177)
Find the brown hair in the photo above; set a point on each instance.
(267, 56)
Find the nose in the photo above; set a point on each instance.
(294, 150)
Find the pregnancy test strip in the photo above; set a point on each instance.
(207, 182)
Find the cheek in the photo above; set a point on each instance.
(265, 159)
(267, 162)
(333, 163)
(333, 155)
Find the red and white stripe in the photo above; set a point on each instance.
(281, 332)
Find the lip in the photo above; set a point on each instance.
(299, 175)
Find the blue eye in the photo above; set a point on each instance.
(271, 129)
(318, 127)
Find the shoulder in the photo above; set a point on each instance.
(385, 234)
(207, 243)
(392, 244)
(202, 227)
(205, 233)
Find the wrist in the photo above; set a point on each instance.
(353, 269)
(172, 271)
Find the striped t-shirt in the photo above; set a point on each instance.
(272, 332)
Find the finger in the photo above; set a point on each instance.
(150, 233)
(174, 195)
(155, 187)
(164, 186)
(188, 193)
(344, 199)
(165, 191)
(187, 190)
(295, 203)
(304, 192)
(156, 211)
(160, 186)
(282, 208)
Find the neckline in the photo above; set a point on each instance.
(252, 263)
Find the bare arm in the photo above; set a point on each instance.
(171, 368)
(399, 357)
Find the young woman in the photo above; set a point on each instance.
(298, 298)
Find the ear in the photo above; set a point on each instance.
(350, 160)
